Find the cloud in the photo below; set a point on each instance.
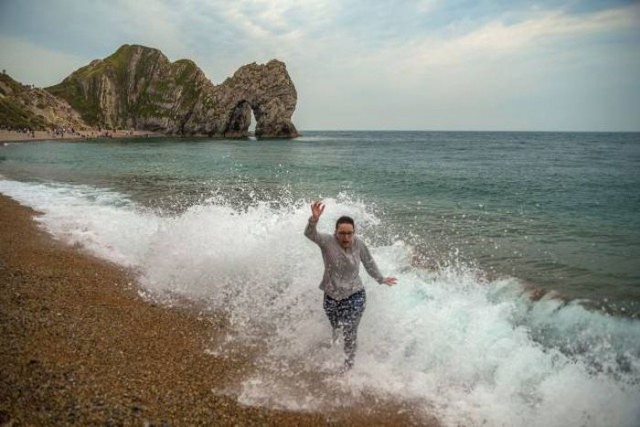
(33, 64)
(356, 63)
(549, 30)
(151, 22)
(504, 74)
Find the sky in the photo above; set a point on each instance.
(369, 64)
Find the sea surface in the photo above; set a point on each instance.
(517, 256)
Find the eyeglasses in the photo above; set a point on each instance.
(345, 233)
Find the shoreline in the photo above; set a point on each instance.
(15, 137)
(81, 346)
(85, 135)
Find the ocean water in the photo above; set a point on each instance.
(517, 256)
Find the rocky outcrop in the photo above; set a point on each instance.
(139, 88)
(26, 107)
(267, 90)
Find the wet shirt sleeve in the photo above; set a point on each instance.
(312, 233)
(369, 263)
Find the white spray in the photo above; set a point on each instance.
(472, 350)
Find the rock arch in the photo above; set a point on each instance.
(268, 91)
(239, 121)
(139, 87)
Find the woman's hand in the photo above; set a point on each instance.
(389, 281)
(316, 210)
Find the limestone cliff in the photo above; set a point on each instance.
(139, 88)
(267, 90)
(23, 106)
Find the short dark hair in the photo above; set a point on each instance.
(345, 220)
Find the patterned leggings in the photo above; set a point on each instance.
(346, 314)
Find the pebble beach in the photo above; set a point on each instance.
(81, 347)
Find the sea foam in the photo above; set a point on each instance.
(471, 350)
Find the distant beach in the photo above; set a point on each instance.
(41, 135)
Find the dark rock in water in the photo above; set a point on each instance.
(139, 88)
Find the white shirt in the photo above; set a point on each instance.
(341, 277)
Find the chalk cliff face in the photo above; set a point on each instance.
(139, 88)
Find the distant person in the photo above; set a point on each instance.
(344, 294)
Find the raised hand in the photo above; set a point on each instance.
(316, 210)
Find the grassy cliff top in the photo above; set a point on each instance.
(117, 62)
(9, 86)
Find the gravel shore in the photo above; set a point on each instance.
(81, 347)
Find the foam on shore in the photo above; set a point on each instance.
(472, 350)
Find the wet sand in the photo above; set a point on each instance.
(80, 346)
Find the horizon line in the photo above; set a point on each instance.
(469, 130)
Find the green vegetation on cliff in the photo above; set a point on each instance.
(83, 89)
(13, 112)
(139, 88)
(72, 91)
(136, 86)
(8, 86)
(13, 115)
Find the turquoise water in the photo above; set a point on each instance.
(558, 210)
(516, 255)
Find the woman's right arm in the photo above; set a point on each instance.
(317, 208)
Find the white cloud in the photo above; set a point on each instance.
(424, 64)
(151, 22)
(496, 40)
